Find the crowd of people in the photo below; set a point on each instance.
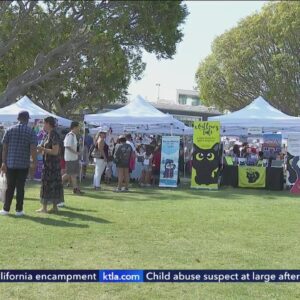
(66, 156)
(252, 155)
(63, 153)
(60, 163)
(125, 158)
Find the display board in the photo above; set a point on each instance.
(169, 161)
(271, 145)
(206, 155)
(251, 177)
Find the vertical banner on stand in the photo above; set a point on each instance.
(169, 161)
(293, 163)
(206, 155)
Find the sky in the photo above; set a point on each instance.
(207, 20)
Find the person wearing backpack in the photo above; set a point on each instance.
(122, 159)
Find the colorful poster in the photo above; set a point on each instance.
(252, 177)
(38, 128)
(271, 145)
(293, 163)
(206, 155)
(169, 161)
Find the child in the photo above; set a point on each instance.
(147, 168)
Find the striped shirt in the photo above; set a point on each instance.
(19, 138)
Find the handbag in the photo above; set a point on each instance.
(96, 153)
(3, 186)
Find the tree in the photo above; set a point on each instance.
(260, 56)
(68, 55)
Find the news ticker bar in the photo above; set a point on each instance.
(127, 276)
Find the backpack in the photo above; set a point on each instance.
(123, 154)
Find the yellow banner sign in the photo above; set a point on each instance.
(206, 155)
(252, 177)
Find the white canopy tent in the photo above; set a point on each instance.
(10, 112)
(259, 114)
(140, 116)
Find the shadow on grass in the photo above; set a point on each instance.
(53, 222)
(79, 209)
(161, 194)
(111, 195)
(183, 193)
(72, 215)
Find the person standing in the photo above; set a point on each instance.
(52, 187)
(129, 141)
(19, 143)
(72, 157)
(88, 142)
(147, 167)
(122, 158)
(156, 165)
(100, 156)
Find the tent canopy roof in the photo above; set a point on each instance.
(137, 112)
(259, 113)
(10, 113)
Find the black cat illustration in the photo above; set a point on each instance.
(206, 164)
(252, 176)
(169, 168)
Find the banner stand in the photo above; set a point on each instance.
(206, 155)
(169, 161)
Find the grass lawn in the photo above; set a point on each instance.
(155, 229)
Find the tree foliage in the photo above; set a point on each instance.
(260, 56)
(69, 55)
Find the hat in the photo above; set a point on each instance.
(121, 137)
(102, 129)
(24, 114)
